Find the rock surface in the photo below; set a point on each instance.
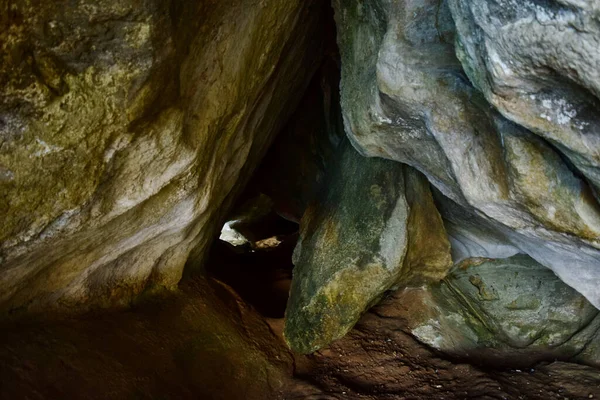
(351, 247)
(538, 65)
(187, 346)
(520, 179)
(378, 359)
(505, 312)
(370, 230)
(126, 130)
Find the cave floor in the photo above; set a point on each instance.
(378, 360)
(204, 342)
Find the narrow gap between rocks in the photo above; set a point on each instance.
(254, 258)
(253, 254)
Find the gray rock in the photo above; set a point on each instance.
(351, 248)
(405, 97)
(537, 63)
(375, 227)
(510, 311)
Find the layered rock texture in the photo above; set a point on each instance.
(496, 103)
(127, 128)
(512, 311)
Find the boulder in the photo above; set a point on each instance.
(511, 311)
(373, 228)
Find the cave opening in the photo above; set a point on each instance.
(253, 254)
(254, 257)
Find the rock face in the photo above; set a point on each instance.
(511, 311)
(538, 65)
(517, 174)
(186, 346)
(370, 230)
(126, 128)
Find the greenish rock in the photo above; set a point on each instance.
(422, 83)
(344, 261)
(512, 311)
(127, 130)
(357, 240)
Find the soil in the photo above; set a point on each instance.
(205, 342)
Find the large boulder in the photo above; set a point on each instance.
(512, 311)
(374, 227)
(521, 183)
(126, 130)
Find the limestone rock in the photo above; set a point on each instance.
(538, 65)
(511, 311)
(126, 130)
(405, 97)
(364, 235)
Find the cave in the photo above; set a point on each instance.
(303, 199)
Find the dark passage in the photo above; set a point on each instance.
(254, 255)
(260, 271)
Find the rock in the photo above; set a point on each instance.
(428, 253)
(350, 250)
(126, 131)
(187, 346)
(511, 311)
(240, 229)
(405, 97)
(359, 239)
(538, 65)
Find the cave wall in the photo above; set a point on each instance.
(126, 130)
(496, 103)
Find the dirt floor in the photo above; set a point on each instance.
(377, 360)
(206, 343)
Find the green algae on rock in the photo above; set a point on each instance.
(353, 243)
(344, 261)
(511, 311)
